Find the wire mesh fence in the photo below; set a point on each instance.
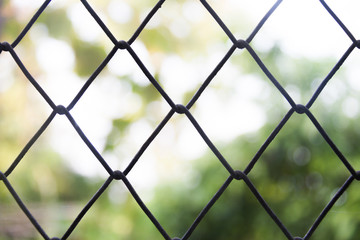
(233, 174)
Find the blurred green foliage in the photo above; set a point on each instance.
(89, 56)
(297, 175)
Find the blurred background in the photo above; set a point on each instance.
(177, 175)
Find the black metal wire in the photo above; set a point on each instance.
(22, 206)
(31, 22)
(92, 78)
(87, 207)
(118, 175)
(9, 48)
(30, 143)
(145, 21)
(322, 215)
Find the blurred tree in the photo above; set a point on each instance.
(297, 174)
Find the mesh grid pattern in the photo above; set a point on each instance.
(234, 174)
